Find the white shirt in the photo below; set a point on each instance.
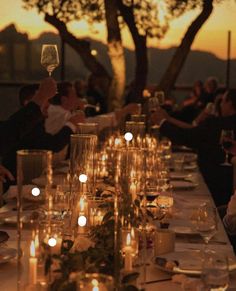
(58, 117)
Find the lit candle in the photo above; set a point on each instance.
(32, 265)
(133, 191)
(36, 243)
(128, 254)
(82, 219)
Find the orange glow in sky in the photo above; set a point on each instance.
(212, 37)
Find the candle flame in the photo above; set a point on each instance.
(132, 233)
(36, 241)
(32, 249)
(95, 285)
(128, 239)
(81, 204)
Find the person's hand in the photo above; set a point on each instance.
(47, 89)
(77, 118)
(131, 108)
(231, 209)
(158, 116)
(5, 174)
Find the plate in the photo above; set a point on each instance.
(190, 167)
(178, 229)
(180, 176)
(190, 157)
(7, 254)
(184, 262)
(183, 185)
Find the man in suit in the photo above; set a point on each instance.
(24, 120)
(205, 139)
(38, 138)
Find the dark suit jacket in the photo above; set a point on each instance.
(38, 138)
(18, 125)
(205, 140)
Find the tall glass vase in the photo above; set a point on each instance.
(82, 169)
(34, 181)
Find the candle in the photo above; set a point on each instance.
(36, 243)
(128, 254)
(133, 190)
(32, 265)
(82, 219)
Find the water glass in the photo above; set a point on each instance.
(215, 271)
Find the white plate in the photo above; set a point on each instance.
(183, 230)
(183, 185)
(7, 254)
(184, 262)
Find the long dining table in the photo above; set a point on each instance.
(156, 279)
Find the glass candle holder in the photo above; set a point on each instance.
(95, 282)
(87, 128)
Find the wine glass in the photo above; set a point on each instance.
(206, 222)
(49, 57)
(160, 95)
(153, 104)
(215, 271)
(226, 141)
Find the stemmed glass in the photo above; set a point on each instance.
(215, 271)
(226, 141)
(206, 222)
(160, 95)
(49, 57)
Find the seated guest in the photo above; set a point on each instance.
(205, 138)
(24, 120)
(65, 103)
(38, 138)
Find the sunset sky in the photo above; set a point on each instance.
(212, 37)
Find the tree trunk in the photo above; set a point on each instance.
(169, 78)
(82, 47)
(140, 42)
(116, 53)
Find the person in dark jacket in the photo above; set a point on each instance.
(38, 138)
(23, 121)
(205, 138)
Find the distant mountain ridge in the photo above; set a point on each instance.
(199, 64)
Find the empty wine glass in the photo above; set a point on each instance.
(215, 271)
(226, 141)
(49, 57)
(206, 222)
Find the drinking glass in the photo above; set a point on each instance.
(153, 104)
(215, 271)
(49, 57)
(206, 222)
(226, 141)
(160, 95)
(87, 128)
